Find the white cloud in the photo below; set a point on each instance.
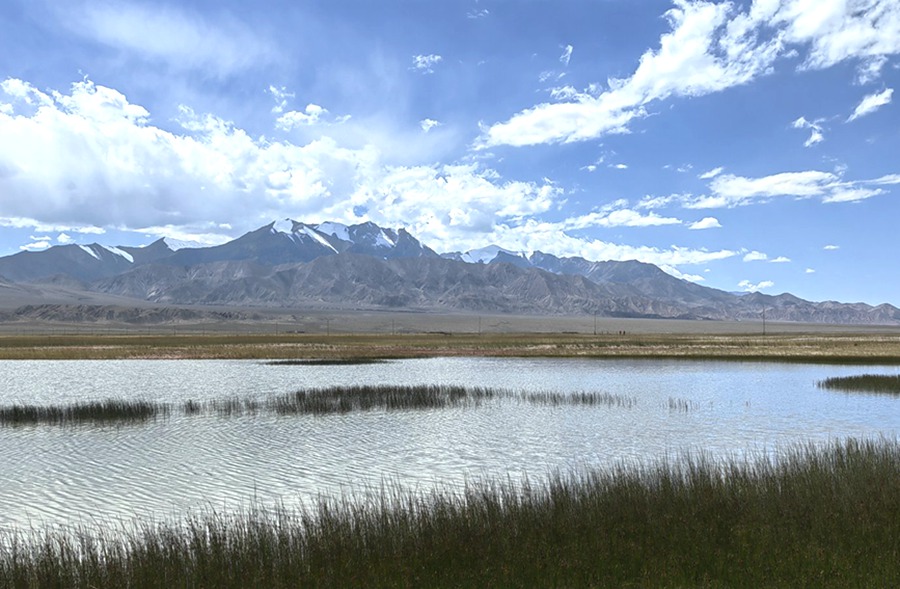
(780, 260)
(428, 124)
(755, 256)
(871, 103)
(837, 30)
(64, 238)
(89, 160)
(566, 55)
(679, 274)
(425, 63)
(831, 248)
(711, 47)
(618, 218)
(809, 271)
(476, 14)
(619, 166)
(815, 127)
(705, 223)
(311, 115)
(40, 243)
(870, 70)
(748, 286)
(163, 32)
(731, 191)
(281, 96)
(701, 54)
(711, 173)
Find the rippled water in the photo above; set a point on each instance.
(84, 474)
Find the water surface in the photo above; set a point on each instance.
(162, 469)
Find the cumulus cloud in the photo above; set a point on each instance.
(429, 124)
(89, 160)
(425, 63)
(42, 243)
(815, 130)
(755, 256)
(871, 103)
(748, 286)
(708, 48)
(780, 260)
(313, 114)
(705, 223)
(166, 33)
(64, 238)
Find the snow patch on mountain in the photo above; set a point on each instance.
(486, 254)
(338, 230)
(285, 226)
(118, 252)
(180, 244)
(318, 237)
(384, 240)
(89, 251)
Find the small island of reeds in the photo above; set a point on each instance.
(864, 383)
(813, 517)
(312, 401)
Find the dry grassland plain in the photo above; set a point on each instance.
(411, 335)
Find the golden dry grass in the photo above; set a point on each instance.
(859, 348)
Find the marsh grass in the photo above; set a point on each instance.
(587, 398)
(863, 383)
(92, 412)
(814, 517)
(326, 362)
(680, 405)
(316, 401)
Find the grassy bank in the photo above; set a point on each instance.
(864, 383)
(349, 348)
(816, 518)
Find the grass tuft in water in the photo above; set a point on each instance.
(93, 412)
(863, 383)
(326, 362)
(345, 399)
(814, 517)
(579, 398)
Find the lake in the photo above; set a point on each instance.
(167, 468)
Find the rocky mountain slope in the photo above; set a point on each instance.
(292, 264)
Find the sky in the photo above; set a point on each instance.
(745, 146)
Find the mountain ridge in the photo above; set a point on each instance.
(289, 263)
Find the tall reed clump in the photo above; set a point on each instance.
(344, 399)
(864, 383)
(91, 412)
(815, 517)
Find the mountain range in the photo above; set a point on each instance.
(289, 264)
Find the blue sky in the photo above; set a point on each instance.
(742, 145)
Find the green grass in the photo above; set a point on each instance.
(817, 517)
(864, 383)
(92, 412)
